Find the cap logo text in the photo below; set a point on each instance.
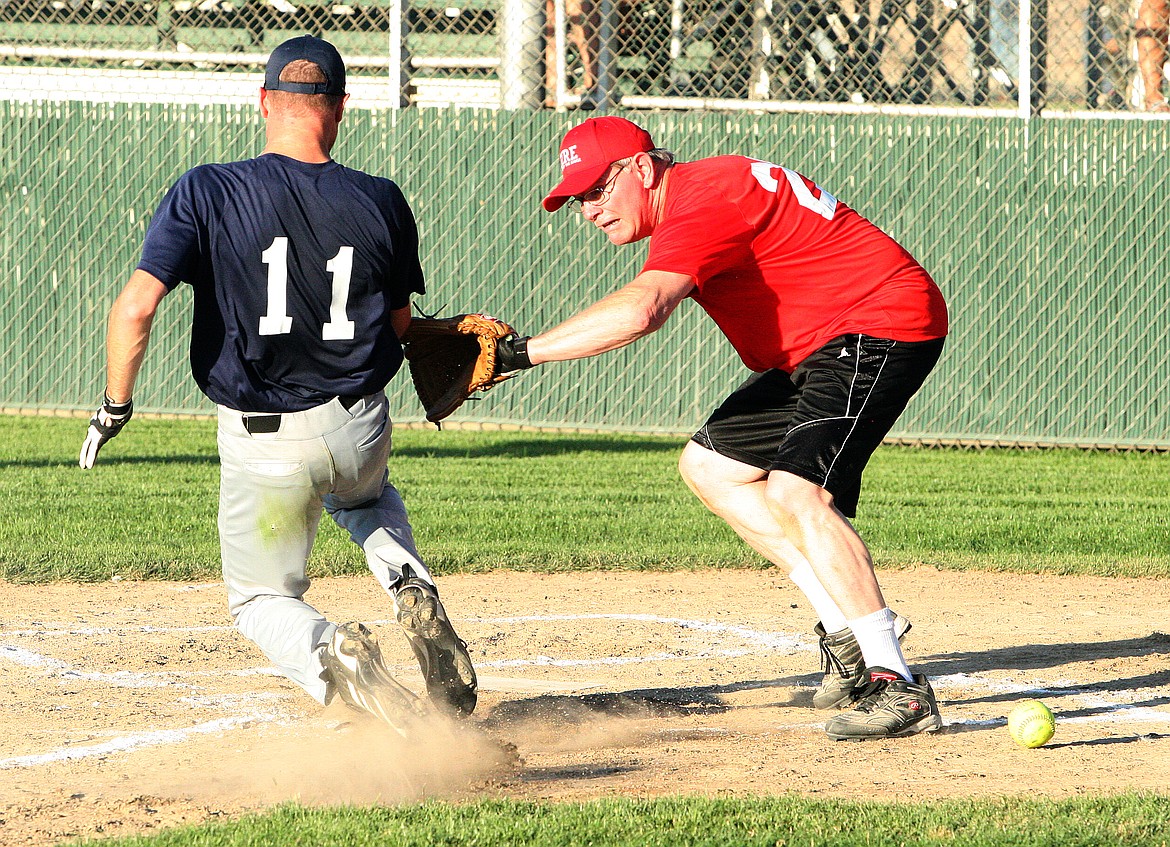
(569, 157)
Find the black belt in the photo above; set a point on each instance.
(271, 423)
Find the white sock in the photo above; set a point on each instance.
(879, 645)
(831, 617)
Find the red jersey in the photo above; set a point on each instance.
(783, 267)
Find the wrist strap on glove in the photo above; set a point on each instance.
(111, 417)
(513, 354)
(117, 410)
(106, 422)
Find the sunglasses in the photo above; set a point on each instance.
(596, 195)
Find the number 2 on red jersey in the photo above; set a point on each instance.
(823, 203)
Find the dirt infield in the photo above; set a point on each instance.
(134, 706)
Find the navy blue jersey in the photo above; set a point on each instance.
(295, 268)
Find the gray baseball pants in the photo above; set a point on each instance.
(277, 473)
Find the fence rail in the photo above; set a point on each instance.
(1031, 58)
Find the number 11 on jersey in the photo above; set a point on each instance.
(277, 321)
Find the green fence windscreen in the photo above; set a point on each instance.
(1046, 237)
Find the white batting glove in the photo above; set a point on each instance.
(106, 422)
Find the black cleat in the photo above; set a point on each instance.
(843, 664)
(887, 707)
(442, 655)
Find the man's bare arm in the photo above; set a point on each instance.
(616, 320)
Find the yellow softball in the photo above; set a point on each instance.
(1031, 724)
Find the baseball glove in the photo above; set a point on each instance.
(452, 358)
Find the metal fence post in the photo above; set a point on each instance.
(521, 34)
(1039, 53)
(399, 58)
(1024, 55)
(605, 96)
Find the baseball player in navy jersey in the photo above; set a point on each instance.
(841, 327)
(302, 272)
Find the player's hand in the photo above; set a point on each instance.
(512, 354)
(106, 422)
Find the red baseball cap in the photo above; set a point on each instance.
(587, 152)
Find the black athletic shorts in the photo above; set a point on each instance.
(824, 421)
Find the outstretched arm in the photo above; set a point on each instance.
(616, 320)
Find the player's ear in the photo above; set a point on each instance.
(643, 166)
(264, 102)
(341, 108)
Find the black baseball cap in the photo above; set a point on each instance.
(316, 50)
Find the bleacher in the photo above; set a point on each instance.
(138, 49)
(720, 54)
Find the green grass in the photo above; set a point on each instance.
(685, 822)
(1058, 511)
(487, 500)
(490, 500)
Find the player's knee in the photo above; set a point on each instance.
(715, 479)
(695, 469)
(245, 610)
(793, 499)
(241, 601)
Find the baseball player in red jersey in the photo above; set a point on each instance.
(841, 327)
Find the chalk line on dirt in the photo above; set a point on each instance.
(134, 741)
(750, 641)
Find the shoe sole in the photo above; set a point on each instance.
(354, 647)
(901, 627)
(446, 665)
(930, 723)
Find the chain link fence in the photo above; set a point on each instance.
(1047, 238)
(1017, 56)
(1045, 230)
